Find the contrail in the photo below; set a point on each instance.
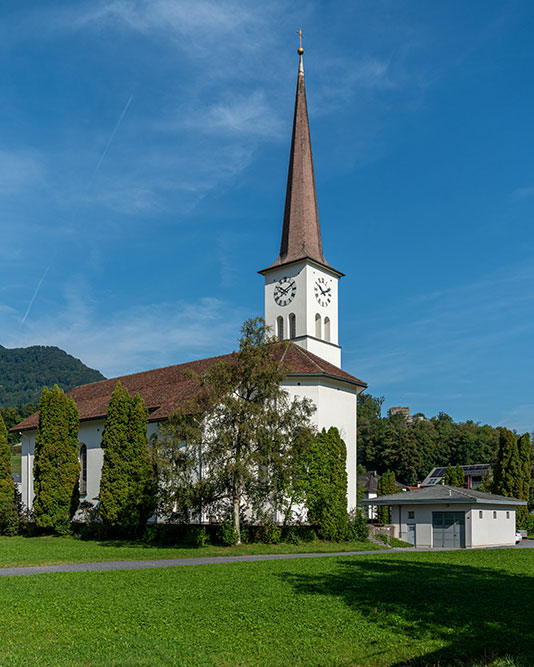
(34, 295)
(113, 134)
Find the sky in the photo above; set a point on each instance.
(143, 159)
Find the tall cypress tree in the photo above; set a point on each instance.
(460, 477)
(8, 507)
(523, 446)
(507, 471)
(325, 485)
(127, 485)
(56, 467)
(450, 476)
(386, 487)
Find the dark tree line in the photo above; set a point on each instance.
(411, 450)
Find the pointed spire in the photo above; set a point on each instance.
(301, 232)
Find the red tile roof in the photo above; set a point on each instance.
(166, 389)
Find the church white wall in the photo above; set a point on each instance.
(336, 406)
(90, 435)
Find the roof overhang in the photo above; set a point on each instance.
(444, 501)
(310, 260)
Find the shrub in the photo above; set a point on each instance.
(291, 536)
(227, 535)
(197, 536)
(357, 528)
(9, 519)
(271, 534)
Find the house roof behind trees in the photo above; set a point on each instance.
(443, 494)
(167, 389)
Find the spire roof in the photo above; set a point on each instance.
(301, 232)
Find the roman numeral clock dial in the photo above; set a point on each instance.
(323, 291)
(284, 291)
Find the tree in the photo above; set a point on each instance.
(8, 507)
(386, 487)
(507, 470)
(325, 485)
(450, 476)
(460, 477)
(56, 468)
(523, 446)
(237, 442)
(127, 495)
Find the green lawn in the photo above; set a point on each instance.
(463, 607)
(16, 463)
(19, 551)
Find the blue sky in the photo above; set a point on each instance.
(143, 159)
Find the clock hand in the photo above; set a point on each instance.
(285, 291)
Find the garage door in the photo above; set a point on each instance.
(448, 529)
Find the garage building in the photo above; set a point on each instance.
(447, 516)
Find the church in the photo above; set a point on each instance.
(301, 304)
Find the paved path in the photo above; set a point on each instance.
(107, 566)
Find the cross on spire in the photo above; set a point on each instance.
(299, 33)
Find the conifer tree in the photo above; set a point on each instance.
(127, 485)
(56, 468)
(507, 471)
(523, 446)
(386, 487)
(450, 476)
(8, 507)
(460, 477)
(325, 485)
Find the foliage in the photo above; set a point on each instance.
(26, 370)
(411, 450)
(9, 516)
(386, 487)
(227, 534)
(454, 476)
(56, 467)
(524, 451)
(198, 536)
(507, 469)
(14, 414)
(127, 496)
(325, 485)
(357, 527)
(239, 441)
(460, 477)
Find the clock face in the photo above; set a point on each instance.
(323, 291)
(284, 291)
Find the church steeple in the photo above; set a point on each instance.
(301, 288)
(301, 232)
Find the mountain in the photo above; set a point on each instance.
(24, 371)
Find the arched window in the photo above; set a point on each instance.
(327, 329)
(292, 326)
(317, 326)
(280, 328)
(83, 470)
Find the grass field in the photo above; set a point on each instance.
(19, 551)
(16, 463)
(463, 607)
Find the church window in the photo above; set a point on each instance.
(83, 470)
(280, 328)
(292, 325)
(327, 329)
(317, 326)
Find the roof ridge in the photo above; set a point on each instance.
(305, 353)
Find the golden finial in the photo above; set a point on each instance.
(300, 50)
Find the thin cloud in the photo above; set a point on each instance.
(34, 296)
(113, 134)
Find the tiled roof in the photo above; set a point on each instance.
(166, 389)
(442, 493)
(301, 232)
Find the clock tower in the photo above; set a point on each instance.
(301, 288)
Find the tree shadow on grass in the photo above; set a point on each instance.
(477, 613)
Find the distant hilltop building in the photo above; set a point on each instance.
(399, 410)
(473, 475)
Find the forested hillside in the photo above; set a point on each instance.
(24, 371)
(411, 450)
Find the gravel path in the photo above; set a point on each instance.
(107, 566)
